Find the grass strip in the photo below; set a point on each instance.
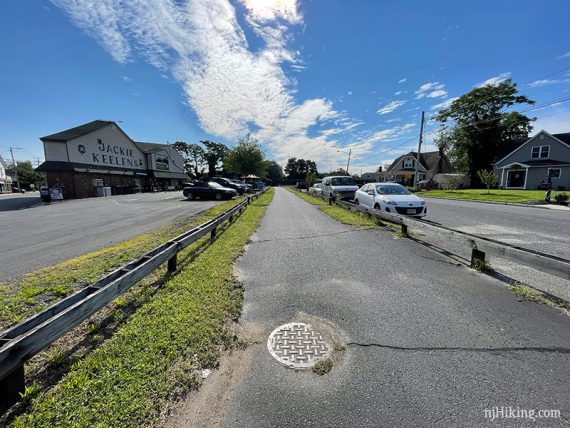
(353, 218)
(21, 298)
(495, 195)
(159, 351)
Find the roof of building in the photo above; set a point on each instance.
(428, 160)
(58, 166)
(511, 145)
(78, 131)
(150, 147)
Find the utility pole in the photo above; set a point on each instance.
(37, 161)
(15, 166)
(419, 150)
(348, 163)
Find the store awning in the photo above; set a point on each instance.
(171, 175)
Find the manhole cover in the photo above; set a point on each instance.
(297, 345)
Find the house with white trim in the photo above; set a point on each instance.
(535, 161)
(5, 180)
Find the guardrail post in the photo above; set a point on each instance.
(213, 235)
(404, 230)
(11, 387)
(231, 218)
(172, 263)
(477, 259)
(331, 200)
(249, 200)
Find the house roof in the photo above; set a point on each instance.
(428, 160)
(507, 147)
(150, 147)
(565, 137)
(58, 166)
(78, 131)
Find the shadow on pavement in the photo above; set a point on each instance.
(8, 203)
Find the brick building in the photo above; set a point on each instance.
(101, 154)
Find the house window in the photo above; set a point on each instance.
(540, 152)
(409, 163)
(554, 172)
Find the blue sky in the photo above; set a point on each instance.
(309, 78)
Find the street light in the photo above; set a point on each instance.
(348, 153)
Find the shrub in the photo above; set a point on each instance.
(561, 197)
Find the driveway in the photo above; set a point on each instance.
(428, 343)
(44, 235)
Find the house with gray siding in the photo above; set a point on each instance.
(5, 180)
(403, 169)
(534, 161)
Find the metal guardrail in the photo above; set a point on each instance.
(480, 246)
(22, 341)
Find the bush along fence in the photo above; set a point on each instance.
(480, 246)
(24, 340)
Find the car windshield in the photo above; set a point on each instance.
(318, 186)
(343, 181)
(215, 185)
(392, 189)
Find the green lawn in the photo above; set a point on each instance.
(495, 195)
(157, 354)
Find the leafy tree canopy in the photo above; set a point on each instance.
(27, 175)
(273, 171)
(245, 158)
(299, 168)
(475, 125)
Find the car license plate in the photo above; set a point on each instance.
(411, 211)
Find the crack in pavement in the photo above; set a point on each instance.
(305, 237)
(460, 349)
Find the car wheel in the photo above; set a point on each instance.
(376, 206)
(190, 196)
(218, 196)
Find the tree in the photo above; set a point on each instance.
(27, 175)
(273, 171)
(339, 171)
(480, 125)
(194, 158)
(488, 178)
(311, 178)
(299, 168)
(215, 154)
(245, 158)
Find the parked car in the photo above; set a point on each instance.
(302, 185)
(248, 187)
(391, 197)
(226, 182)
(18, 190)
(208, 190)
(340, 187)
(45, 195)
(427, 184)
(316, 189)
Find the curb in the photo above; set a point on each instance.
(488, 202)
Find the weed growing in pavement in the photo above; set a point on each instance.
(528, 293)
(323, 366)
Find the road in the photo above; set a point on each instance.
(539, 229)
(33, 237)
(428, 343)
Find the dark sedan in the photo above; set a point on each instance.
(208, 190)
(226, 182)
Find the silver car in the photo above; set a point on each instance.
(391, 197)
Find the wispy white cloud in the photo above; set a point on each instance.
(495, 80)
(391, 106)
(444, 104)
(399, 93)
(546, 82)
(565, 55)
(231, 88)
(126, 78)
(404, 80)
(431, 90)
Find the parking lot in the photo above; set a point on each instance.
(34, 235)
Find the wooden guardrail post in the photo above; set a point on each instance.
(11, 387)
(477, 259)
(213, 234)
(172, 262)
(404, 230)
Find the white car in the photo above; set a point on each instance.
(392, 198)
(316, 189)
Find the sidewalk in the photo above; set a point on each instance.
(426, 342)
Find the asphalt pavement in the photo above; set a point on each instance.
(536, 228)
(539, 229)
(35, 235)
(428, 342)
